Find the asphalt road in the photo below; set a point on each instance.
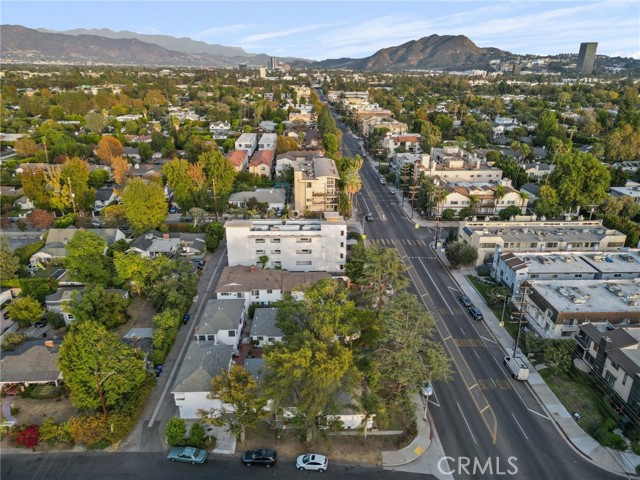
(490, 425)
(142, 466)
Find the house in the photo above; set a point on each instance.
(630, 190)
(454, 164)
(294, 245)
(267, 125)
(273, 197)
(263, 327)
(531, 190)
(221, 322)
(267, 141)
(263, 287)
(247, 142)
(557, 308)
(262, 163)
(131, 153)
(538, 170)
(104, 197)
(613, 353)
(481, 198)
(32, 363)
(140, 339)
(529, 234)
(239, 159)
(57, 239)
(408, 142)
(154, 243)
(58, 302)
(23, 203)
(203, 361)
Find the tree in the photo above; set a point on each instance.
(120, 169)
(34, 185)
(547, 203)
(263, 259)
(95, 122)
(623, 144)
(9, 263)
(558, 355)
(510, 211)
(25, 311)
(99, 369)
(25, 147)
(406, 327)
(548, 126)
(132, 270)
(309, 375)
(460, 254)
(330, 143)
(179, 180)
(37, 287)
(286, 144)
(144, 204)
(85, 258)
(383, 268)
(145, 152)
(75, 176)
(198, 215)
(237, 388)
(109, 147)
(220, 175)
(97, 178)
(197, 435)
(580, 179)
(40, 219)
(351, 182)
(106, 307)
(175, 431)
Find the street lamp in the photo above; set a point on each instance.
(504, 307)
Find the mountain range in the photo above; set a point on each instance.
(102, 46)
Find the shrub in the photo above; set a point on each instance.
(41, 392)
(65, 221)
(175, 431)
(635, 446)
(26, 436)
(197, 435)
(24, 253)
(56, 320)
(53, 432)
(11, 341)
(89, 430)
(448, 214)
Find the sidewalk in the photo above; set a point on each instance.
(418, 446)
(606, 458)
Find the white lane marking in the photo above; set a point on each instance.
(521, 429)
(453, 288)
(463, 334)
(467, 423)
(436, 286)
(538, 413)
(477, 356)
(487, 339)
(494, 383)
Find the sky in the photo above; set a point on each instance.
(318, 30)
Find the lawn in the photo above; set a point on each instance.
(484, 290)
(577, 393)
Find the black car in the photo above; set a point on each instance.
(466, 301)
(41, 323)
(266, 458)
(475, 313)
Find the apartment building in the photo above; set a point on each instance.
(454, 164)
(267, 141)
(247, 142)
(315, 184)
(370, 123)
(408, 142)
(484, 199)
(294, 245)
(534, 235)
(512, 269)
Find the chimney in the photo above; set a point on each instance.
(477, 163)
(252, 269)
(165, 236)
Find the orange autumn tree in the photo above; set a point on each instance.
(109, 148)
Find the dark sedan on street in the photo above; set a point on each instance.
(265, 458)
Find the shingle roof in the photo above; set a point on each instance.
(264, 323)
(240, 278)
(37, 364)
(203, 361)
(220, 315)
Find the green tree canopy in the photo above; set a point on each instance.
(460, 254)
(178, 179)
(9, 263)
(25, 311)
(145, 205)
(97, 304)
(85, 259)
(90, 355)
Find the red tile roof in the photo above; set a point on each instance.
(237, 157)
(262, 157)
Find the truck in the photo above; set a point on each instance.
(517, 367)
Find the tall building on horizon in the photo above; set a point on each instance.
(586, 58)
(273, 63)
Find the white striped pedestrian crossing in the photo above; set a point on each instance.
(400, 241)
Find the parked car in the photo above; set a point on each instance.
(173, 210)
(5, 315)
(264, 457)
(186, 318)
(187, 455)
(312, 461)
(466, 301)
(476, 314)
(41, 323)
(427, 389)
(369, 217)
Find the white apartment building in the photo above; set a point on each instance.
(294, 245)
(247, 142)
(453, 164)
(481, 198)
(539, 236)
(408, 142)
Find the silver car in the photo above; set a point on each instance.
(312, 461)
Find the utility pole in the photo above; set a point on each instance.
(215, 199)
(438, 193)
(519, 312)
(100, 392)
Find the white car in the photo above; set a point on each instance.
(426, 390)
(312, 461)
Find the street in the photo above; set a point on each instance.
(483, 417)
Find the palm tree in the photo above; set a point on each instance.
(473, 203)
(524, 196)
(383, 268)
(351, 183)
(499, 194)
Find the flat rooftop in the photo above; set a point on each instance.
(523, 233)
(282, 225)
(575, 262)
(581, 296)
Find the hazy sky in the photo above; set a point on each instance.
(319, 30)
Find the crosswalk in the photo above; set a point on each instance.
(391, 242)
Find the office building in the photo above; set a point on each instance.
(586, 58)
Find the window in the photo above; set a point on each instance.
(304, 240)
(275, 240)
(342, 233)
(240, 294)
(255, 293)
(260, 338)
(179, 397)
(303, 262)
(261, 252)
(271, 340)
(624, 379)
(277, 264)
(303, 252)
(269, 291)
(610, 379)
(275, 252)
(342, 255)
(615, 366)
(232, 333)
(535, 275)
(202, 338)
(341, 244)
(260, 240)
(454, 202)
(578, 275)
(617, 275)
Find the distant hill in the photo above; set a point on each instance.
(182, 44)
(446, 52)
